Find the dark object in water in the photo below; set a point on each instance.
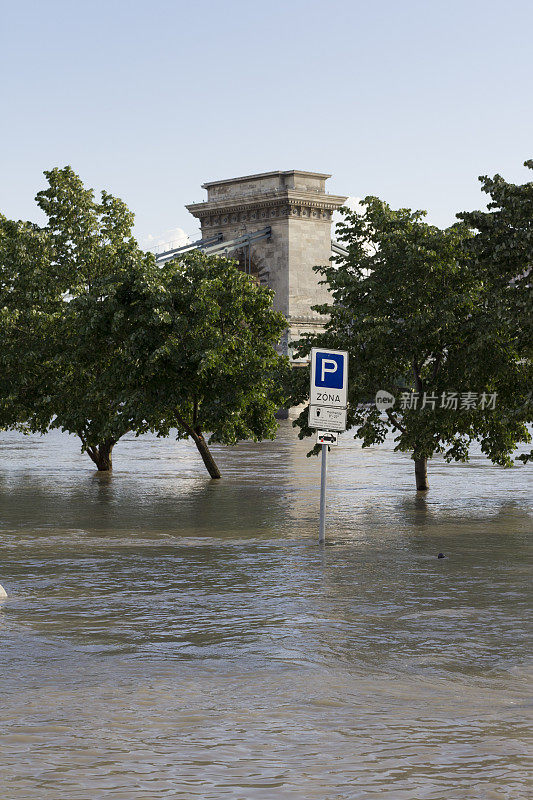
(441, 555)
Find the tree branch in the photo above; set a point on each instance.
(394, 420)
(418, 380)
(184, 424)
(436, 366)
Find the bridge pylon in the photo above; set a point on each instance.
(296, 208)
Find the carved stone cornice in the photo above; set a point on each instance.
(277, 204)
(314, 320)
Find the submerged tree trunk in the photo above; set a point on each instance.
(204, 451)
(101, 455)
(421, 474)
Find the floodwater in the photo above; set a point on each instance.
(167, 636)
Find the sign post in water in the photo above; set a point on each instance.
(327, 409)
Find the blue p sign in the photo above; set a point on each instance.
(329, 370)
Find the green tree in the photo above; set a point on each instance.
(84, 375)
(28, 299)
(205, 338)
(111, 343)
(414, 314)
(502, 250)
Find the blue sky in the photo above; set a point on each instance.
(409, 100)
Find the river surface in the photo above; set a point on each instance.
(168, 636)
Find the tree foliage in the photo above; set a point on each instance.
(413, 310)
(80, 385)
(28, 300)
(502, 251)
(111, 343)
(207, 334)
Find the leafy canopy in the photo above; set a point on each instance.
(91, 249)
(208, 333)
(111, 343)
(502, 251)
(414, 313)
(28, 300)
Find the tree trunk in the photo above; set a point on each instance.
(101, 455)
(421, 474)
(204, 451)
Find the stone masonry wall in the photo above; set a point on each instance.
(298, 210)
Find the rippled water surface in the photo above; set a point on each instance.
(167, 636)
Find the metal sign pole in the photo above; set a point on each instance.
(328, 401)
(323, 482)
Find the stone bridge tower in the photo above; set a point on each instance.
(298, 211)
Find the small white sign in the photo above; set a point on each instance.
(329, 377)
(322, 417)
(327, 437)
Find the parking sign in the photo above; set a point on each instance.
(327, 410)
(329, 378)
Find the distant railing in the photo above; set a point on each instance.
(166, 246)
(215, 245)
(337, 249)
(201, 244)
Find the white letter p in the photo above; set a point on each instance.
(326, 369)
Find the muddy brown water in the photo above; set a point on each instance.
(166, 636)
